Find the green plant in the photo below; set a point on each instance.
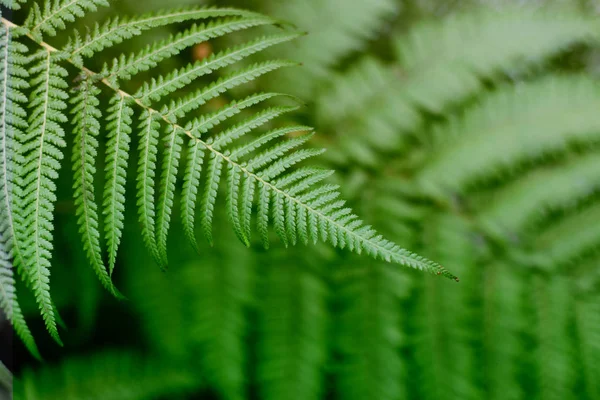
(477, 144)
(300, 206)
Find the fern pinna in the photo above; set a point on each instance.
(260, 173)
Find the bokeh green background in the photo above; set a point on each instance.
(463, 131)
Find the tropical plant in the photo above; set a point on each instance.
(469, 134)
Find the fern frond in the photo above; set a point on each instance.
(336, 30)
(12, 127)
(12, 123)
(587, 314)
(556, 350)
(458, 312)
(117, 154)
(505, 130)
(42, 156)
(440, 64)
(567, 240)
(9, 303)
(173, 142)
(116, 30)
(110, 375)
(195, 160)
(262, 171)
(209, 198)
(179, 108)
(370, 333)
(86, 128)
(518, 207)
(146, 173)
(180, 78)
(509, 311)
(218, 294)
(12, 4)
(447, 60)
(126, 67)
(364, 99)
(292, 331)
(58, 12)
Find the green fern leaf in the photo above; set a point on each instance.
(556, 349)
(567, 240)
(117, 30)
(173, 142)
(191, 181)
(57, 12)
(180, 78)
(8, 297)
(87, 128)
(12, 122)
(12, 126)
(12, 4)
(213, 173)
(506, 131)
(42, 155)
(126, 67)
(369, 365)
(148, 149)
(461, 59)
(587, 313)
(117, 154)
(179, 108)
(520, 206)
(110, 374)
(336, 31)
(292, 329)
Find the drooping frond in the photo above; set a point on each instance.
(42, 156)
(292, 331)
(114, 375)
(146, 173)
(556, 350)
(85, 118)
(516, 208)
(12, 125)
(587, 315)
(8, 297)
(457, 311)
(117, 154)
(505, 131)
(509, 312)
(56, 13)
(173, 142)
(12, 128)
(369, 335)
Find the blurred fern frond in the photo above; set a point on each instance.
(109, 375)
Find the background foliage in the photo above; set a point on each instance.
(465, 131)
